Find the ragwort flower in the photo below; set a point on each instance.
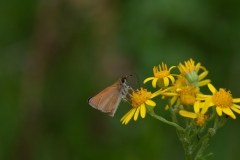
(222, 100)
(139, 99)
(185, 95)
(161, 76)
(198, 115)
(190, 72)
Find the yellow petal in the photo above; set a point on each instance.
(154, 70)
(196, 107)
(235, 110)
(211, 104)
(178, 101)
(136, 114)
(150, 103)
(187, 114)
(172, 78)
(197, 67)
(178, 89)
(125, 115)
(229, 112)
(207, 103)
(202, 96)
(156, 93)
(212, 88)
(204, 110)
(148, 79)
(171, 68)
(236, 100)
(169, 94)
(154, 82)
(202, 75)
(204, 82)
(164, 66)
(219, 111)
(173, 100)
(129, 116)
(236, 106)
(143, 110)
(166, 81)
(167, 107)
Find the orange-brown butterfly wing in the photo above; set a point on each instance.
(108, 99)
(95, 100)
(111, 102)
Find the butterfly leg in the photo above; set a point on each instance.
(126, 100)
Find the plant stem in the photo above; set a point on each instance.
(151, 112)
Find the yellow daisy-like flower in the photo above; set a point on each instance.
(190, 72)
(222, 100)
(199, 116)
(188, 94)
(189, 77)
(139, 99)
(161, 76)
(185, 95)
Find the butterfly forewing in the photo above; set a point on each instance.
(108, 99)
(94, 101)
(111, 104)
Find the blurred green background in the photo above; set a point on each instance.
(56, 54)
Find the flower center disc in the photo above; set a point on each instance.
(222, 98)
(139, 97)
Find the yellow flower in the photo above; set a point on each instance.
(185, 95)
(188, 94)
(190, 72)
(188, 77)
(199, 116)
(161, 76)
(139, 99)
(222, 100)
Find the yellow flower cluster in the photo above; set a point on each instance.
(183, 93)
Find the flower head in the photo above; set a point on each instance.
(197, 114)
(222, 100)
(185, 95)
(187, 84)
(161, 76)
(139, 100)
(190, 72)
(188, 94)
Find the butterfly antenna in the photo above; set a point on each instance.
(138, 80)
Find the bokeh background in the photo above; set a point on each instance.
(55, 54)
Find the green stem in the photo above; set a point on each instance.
(184, 141)
(200, 141)
(151, 112)
(203, 147)
(183, 136)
